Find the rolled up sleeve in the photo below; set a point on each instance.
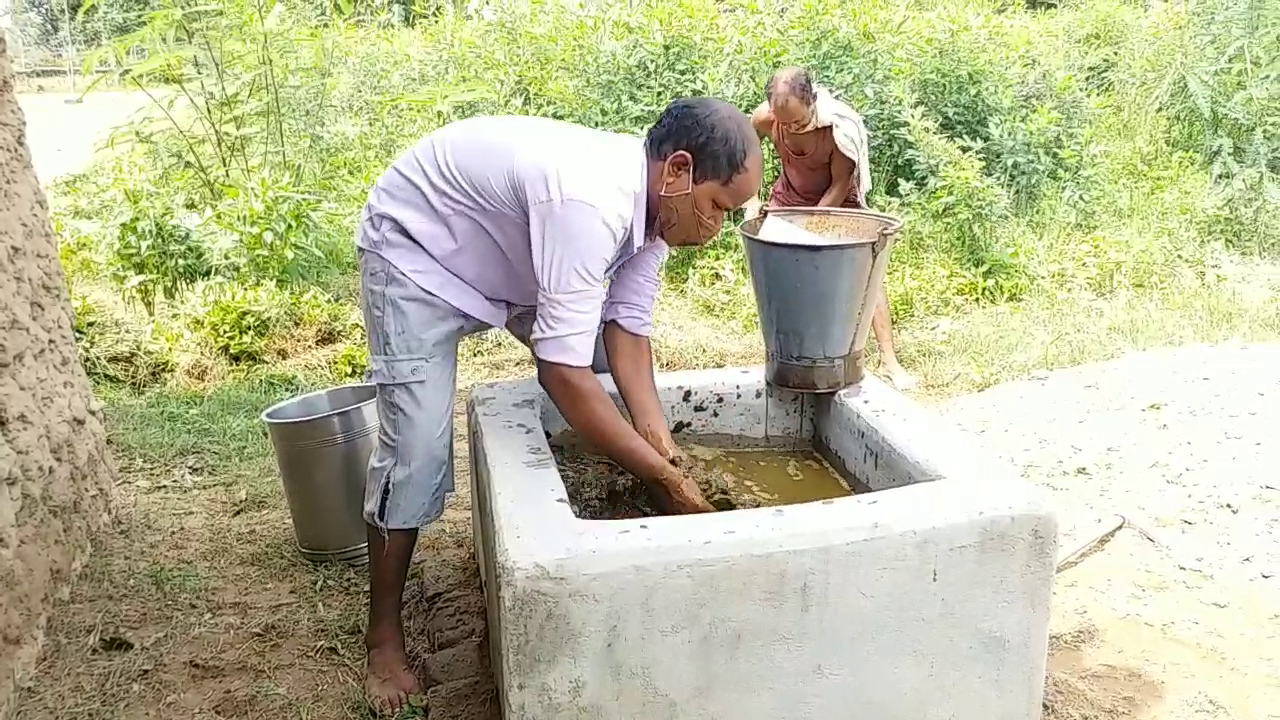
(634, 289)
(572, 247)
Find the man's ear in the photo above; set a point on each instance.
(679, 164)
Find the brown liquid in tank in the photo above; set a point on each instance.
(776, 476)
(731, 476)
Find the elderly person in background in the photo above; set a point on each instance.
(556, 232)
(823, 148)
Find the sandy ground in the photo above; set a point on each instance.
(1182, 443)
(63, 136)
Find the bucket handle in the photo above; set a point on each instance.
(883, 235)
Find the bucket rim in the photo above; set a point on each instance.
(266, 418)
(892, 225)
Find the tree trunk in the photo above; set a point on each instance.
(56, 478)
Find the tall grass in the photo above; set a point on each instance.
(1093, 150)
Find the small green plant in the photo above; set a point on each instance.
(326, 320)
(239, 322)
(154, 255)
(270, 231)
(351, 364)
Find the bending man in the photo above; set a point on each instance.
(823, 147)
(519, 222)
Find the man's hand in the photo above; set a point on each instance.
(631, 364)
(752, 208)
(659, 437)
(590, 411)
(842, 169)
(684, 496)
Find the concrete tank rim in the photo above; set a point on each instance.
(267, 419)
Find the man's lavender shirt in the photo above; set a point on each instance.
(491, 214)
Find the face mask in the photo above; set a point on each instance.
(680, 222)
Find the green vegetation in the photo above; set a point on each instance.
(1076, 181)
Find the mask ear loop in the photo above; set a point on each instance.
(664, 193)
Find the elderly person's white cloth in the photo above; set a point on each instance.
(850, 135)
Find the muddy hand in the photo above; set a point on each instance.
(671, 452)
(684, 495)
(678, 457)
(660, 439)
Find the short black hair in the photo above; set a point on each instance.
(717, 135)
(793, 82)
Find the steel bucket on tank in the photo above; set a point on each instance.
(322, 444)
(816, 299)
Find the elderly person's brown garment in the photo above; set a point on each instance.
(806, 169)
(820, 154)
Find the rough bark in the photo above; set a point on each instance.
(56, 478)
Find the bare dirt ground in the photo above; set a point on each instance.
(1183, 443)
(199, 607)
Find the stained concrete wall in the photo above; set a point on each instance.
(927, 598)
(56, 477)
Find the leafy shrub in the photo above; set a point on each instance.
(351, 364)
(963, 207)
(1211, 73)
(249, 325)
(239, 321)
(270, 231)
(327, 321)
(1085, 147)
(154, 255)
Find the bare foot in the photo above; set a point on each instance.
(389, 682)
(900, 378)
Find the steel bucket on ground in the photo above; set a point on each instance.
(816, 299)
(322, 444)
